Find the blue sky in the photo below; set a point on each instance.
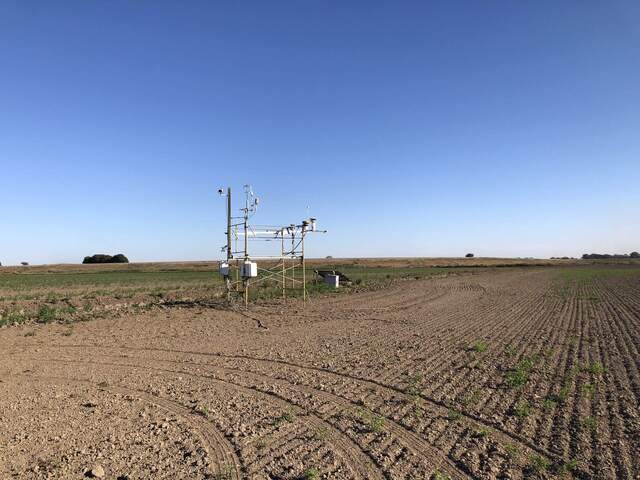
(409, 128)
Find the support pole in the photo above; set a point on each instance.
(284, 286)
(304, 272)
(246, 247)
(229, 245)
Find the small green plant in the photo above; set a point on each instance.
(548, 404)
(286, 417)
(596, 368)
(417, 411)
(522, 410)
(438, 475)
(589, 423)
(374, 422)
(563, 394)
(311, 474)
(204, 411)
(480, 346)
(570, 466)
(413, 387)
(13, 317)
(321, 433)
(538, 463)
(516, 379)
(46, 314)
(453, 414)
(475, 397)
(510, 351)
(588, 389)
(512, 451)
(377, 423)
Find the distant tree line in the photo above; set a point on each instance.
(599, 256)
(102, 258)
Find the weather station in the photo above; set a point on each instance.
(285, 267)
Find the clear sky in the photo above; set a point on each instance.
(502, 128)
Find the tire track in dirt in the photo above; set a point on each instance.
(214, 442)
(412, 441)
(353, 455)
(497, 430)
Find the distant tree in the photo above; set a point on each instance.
(98, 258)
(601, 256)
(634, 255)
(24, 264)
(469, 255)
(102, 258)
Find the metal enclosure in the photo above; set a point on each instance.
(332, 280)
(249, 269)
(224, 269)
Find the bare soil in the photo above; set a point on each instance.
(511, 373)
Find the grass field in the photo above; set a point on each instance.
(67, 293)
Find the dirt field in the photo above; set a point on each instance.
(504, 373)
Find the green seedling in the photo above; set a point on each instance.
(596, 368)
(548, 404)
(510, 351)
(538, 463)
(563, 394)
(523, 410)
(518, 378)
(286, 417)
(589, 423)
(512, 451)
(453, 414)
(321, 433)
(374, 422)
(480, 346)
(588, 389)
(46, 314)
(413, 387)
(570, 466)
(311, 474)
(438, 475)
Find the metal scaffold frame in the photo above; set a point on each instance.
(240, 270)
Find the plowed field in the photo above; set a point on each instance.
(510, 373)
